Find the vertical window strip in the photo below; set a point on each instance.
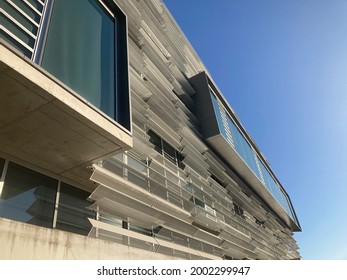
(56, 207)
(3, 175)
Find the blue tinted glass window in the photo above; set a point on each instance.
(28, 196)
(243, 148)
(274, 189)
(238, 141)
(288, 207)
(80, 51)
(218, 116)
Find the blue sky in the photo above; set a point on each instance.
(282, 65)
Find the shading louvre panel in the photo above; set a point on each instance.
(116, 234)
(19, 23)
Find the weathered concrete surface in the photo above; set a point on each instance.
(20, 241)
(48, 125)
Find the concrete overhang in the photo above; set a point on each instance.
(46, 124)
(219, 143)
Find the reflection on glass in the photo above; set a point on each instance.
(72, 210)
(220, 122)
(80, 51)
(28, 196)
(245, 151)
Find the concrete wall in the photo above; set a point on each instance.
(20, 241)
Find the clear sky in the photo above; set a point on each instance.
(282, 65)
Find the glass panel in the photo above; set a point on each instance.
(218, 115)
(141, 230)
(110, 219)
(156, 141)
(80, 51)
(243, 148)
(235, 139)
(287, 206)
(28, 196)
(180, 159)
(72, 210)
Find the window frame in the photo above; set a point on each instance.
(122, 106)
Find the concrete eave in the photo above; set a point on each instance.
(48, 125)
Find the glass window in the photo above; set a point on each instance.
(72, 210)
(141, 230)
(197, 202)
(28, 196)
(164, 148)
(110, 219)
(169, 152)
(243, 148)
(80, 51)
(155, 140)
(2, 163)
(238, 210)
(180, 159)
(218, 114)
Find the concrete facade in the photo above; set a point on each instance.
(76, 184)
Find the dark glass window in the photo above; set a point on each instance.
(155, 140)
(169, 152)
(180, 159)
(238, 210)
(197, 202)
(28, 196)
(219, 181)
(80, 50)
(258, 222)
(86, 49)
(2, 163)
(141, 230)
(164, 148)
(72, 210)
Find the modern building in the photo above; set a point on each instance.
(116, 143)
